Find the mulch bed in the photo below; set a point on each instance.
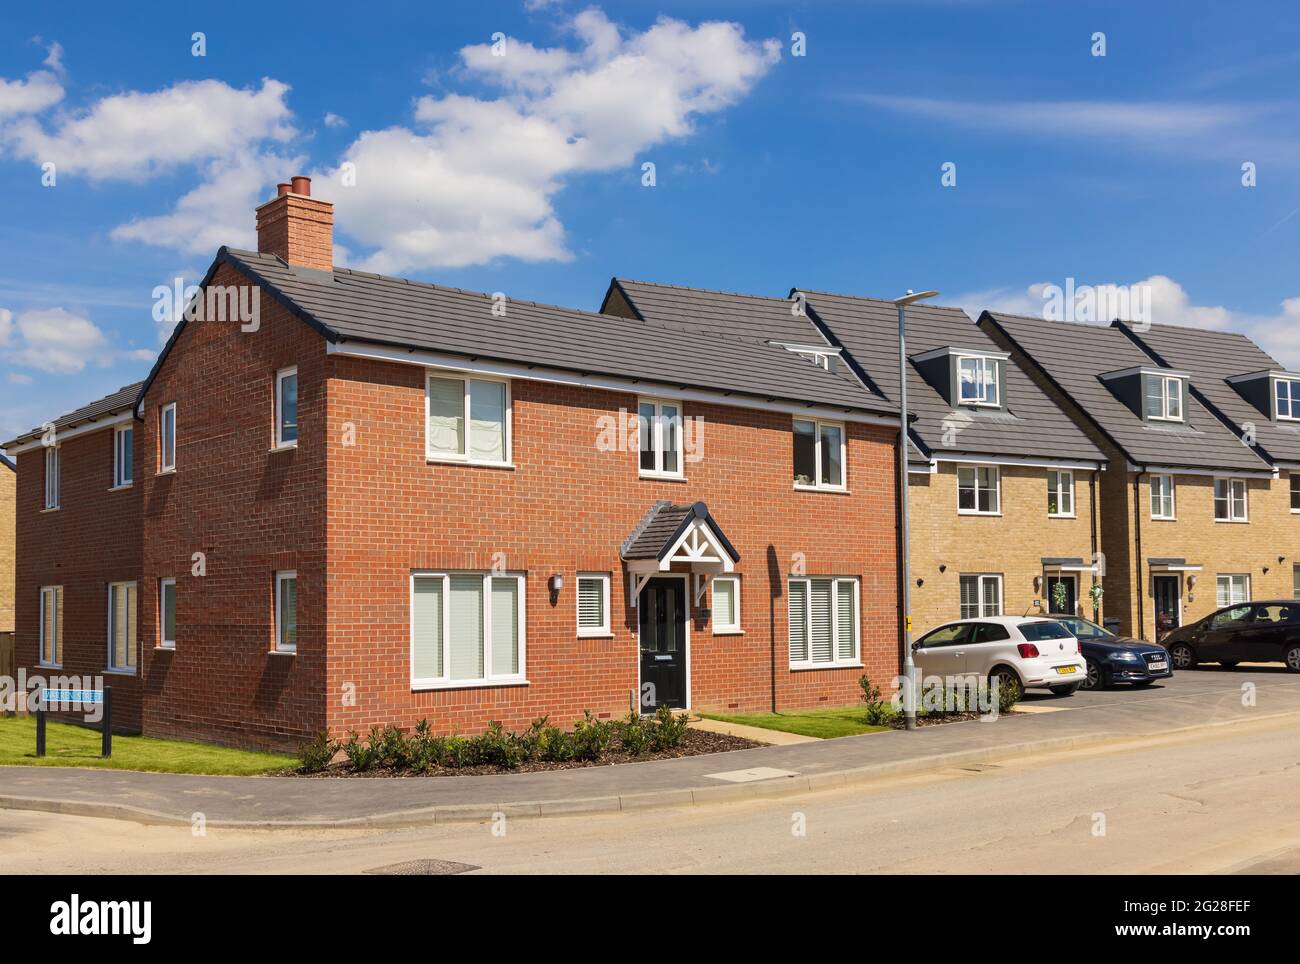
(695, 743)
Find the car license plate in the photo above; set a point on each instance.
(1159, 664)
(1066, 670)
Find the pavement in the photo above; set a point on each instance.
(1202, 699)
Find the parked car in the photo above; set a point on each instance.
(1257, 632)
(1116, 659)
(1020, 652)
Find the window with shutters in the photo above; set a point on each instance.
(593, 604)
(122, 627)
(51, 626)
(726, 605)
(467, 420)
(981, 596)
(823, 617)
(286, 612)
(467, 629)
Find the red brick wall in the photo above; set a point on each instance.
(91, 540)
(251, 512)
(565, 508)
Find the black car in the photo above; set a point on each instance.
(1116, 659)
(1257, 632)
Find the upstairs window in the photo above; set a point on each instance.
(167, 613)
(1162, 497)
(1230, 500)
(286, 408)
(979, 490)
(1295, 491)
(1164, 398)
(167, 438)
(1287, 393)
(52, 460)
(286, 612)
(977, 380)
(659, 429)
(123, 438)
(1060, 494)
(818, 454)
(468, 420)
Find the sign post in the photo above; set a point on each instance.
(82, 697)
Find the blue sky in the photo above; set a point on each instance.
(523, 173)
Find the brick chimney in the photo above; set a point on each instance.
(297, 227)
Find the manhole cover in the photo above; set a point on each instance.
(422, 868)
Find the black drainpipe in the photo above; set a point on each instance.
(1092, 514)
(1141, 582)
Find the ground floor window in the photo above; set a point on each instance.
(122, 626)
(981, 596)
(823, 616)
(1295, 582)
(593, 604)
(726, 604)
(1233, 588)
(467, 628)
(52, 625)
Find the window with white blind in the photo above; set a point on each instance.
(286, 612)
(726, 604)
(51, 626)
(123, 470)
(467, 420)
(467, 629)
(823, 617)
(593, 604)
(981, 596)
(1233, 588)
(1295, 582)
(52, 460)
(1230, 500)
(122, 627)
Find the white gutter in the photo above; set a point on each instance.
(63, 435)
(1036, 463)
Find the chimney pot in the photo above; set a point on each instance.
(297, 227)
(302, 185)
(283, 188)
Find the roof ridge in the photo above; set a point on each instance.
(708, 291)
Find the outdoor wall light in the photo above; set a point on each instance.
(943, 568)
(1038, 583)
(556, 584)
(920, 583)
(1191, 583)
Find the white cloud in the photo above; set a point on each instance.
(334, 120)
(18, 378)
(58, 341)
(54, 57)
(476, 178)
(134, 136)
(6, 326)
(37, 92)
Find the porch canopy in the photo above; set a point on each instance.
(677, 538)
(1172, 565)
(1068, 564)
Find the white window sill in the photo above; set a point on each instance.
(1060, 516)
(660, 476)
(50, 508)
(283, 652)
(991, 515)
(466, 684)
(124, 485)
(120, 672)
(1164, 518)
(165, 647)
(838, 489)
(728, 632)
(476, 463)
(171, 471)
(1233, 522)
(801, 667)
(600, 635)
(287, 446)
(49, 665)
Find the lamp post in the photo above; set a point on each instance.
(909, 666)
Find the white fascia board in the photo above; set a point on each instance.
(1209, 473)
(426, 359)
(1033, 463)
(63, 435)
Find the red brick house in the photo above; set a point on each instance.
(378, 500)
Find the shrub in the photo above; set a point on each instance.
(591, 737)
(634, 734)
(497, 747)
(361, 755)
(391, 748)
(669, 729)
(556, 745)
(1008, 696)
(315, 755)
(879, 712)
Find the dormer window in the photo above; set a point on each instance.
(977, 379)
(965, 376)
(1152, 394)
(1286, 391)
(1164, 397)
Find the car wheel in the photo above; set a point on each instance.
(1292, 657)
(1064, 690)
(1228, 663)
(1005, 678)
(1182, 656)
(1097, 677)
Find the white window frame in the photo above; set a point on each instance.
(836, 661)
(120, 479)
(163, 641)
(53, 476)
(981, 384)
(733, 628)
(996, 490)
(980, 578)
(590, 632)
(1230, 576)
(1232, 484)
(50, 596)
(445, 682)
(818, 485)
(1173, 504)
(656, 430)
(1295, 491)
(1061, 493)
(464, 458)
(280, 578)
(1164, 416)
(1295, 581)
(113, 667)
(166, 459)
(278, 441)
(1292, 398)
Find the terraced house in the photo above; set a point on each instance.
(388, 501)
(1193, 518)
(1003, 486)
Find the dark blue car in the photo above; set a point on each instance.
(1116, 659)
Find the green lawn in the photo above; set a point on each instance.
(77, 746)
(823, 724)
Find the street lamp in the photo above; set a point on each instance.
(909, 666)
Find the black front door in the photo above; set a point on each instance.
(1168, 593)
(1063, 601)
(661, 612)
